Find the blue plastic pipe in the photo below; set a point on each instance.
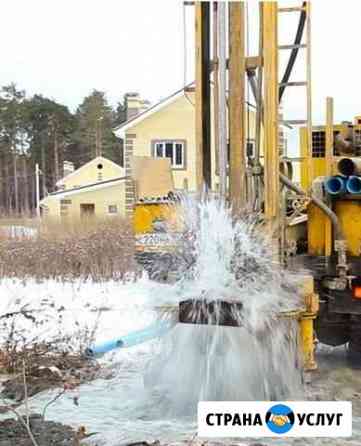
(353, 185)
(335, 185)
(160, 328)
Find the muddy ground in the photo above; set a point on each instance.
(46, 433)
(61, 371)
(47, 372)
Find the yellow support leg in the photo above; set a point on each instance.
(308, 341)
(306, 324)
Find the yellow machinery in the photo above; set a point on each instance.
(347, 206)
(148, 214)
(155, 212)
(333, 250)
(156, 223)
(346, 130)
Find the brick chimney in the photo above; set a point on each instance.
(135, 105)
(68, 168)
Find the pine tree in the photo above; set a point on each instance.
(14, 139)
(94, 133)
(51, 126)
(41, 130)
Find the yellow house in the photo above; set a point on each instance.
(164, 131)
(167, 130)
(95, 189)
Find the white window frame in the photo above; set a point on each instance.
(251, 141)
(116, 207)
(175, 142)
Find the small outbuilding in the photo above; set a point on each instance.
(97, 189)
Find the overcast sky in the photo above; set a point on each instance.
(64, 49)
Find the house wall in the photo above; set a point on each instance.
(90, 173)
(68, 206)
(176, 121)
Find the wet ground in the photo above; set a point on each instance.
(335, 380)
(121, 411)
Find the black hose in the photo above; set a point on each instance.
(294, 52)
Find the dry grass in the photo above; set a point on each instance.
(100, 250)
(19, 221)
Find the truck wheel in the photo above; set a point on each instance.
(332, 329)
(354, 346)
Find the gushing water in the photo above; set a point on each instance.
(158, 385)
(257, 360)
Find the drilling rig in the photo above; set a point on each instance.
(326, 207)
(317, 223)
(260, 181)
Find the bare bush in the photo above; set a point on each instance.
(19, 345)
(99, 250)
(38, 346)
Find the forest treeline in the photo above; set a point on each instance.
(38, 130)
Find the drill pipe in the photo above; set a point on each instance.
(335, 185)
(353, 185)
(349, 166)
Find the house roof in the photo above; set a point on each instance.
(84, 166)
(89, 187)
(122, 128)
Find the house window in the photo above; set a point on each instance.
(174, 150)
(65, 202)
(250, 148)
(112, 209)
(251, 143)
(64, 207)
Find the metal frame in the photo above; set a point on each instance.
(202, 95)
